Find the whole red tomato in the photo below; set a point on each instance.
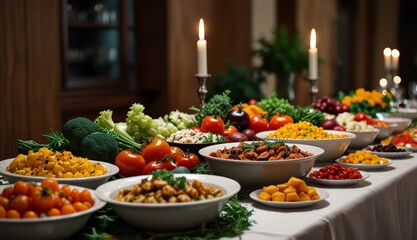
(156, 150)
(278, 121)
(176, 150)
(159, 165)
(129, 163)
(229, 130)
(258, 124)
(188, 160)
(212, 124)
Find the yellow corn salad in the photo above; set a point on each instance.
(303, 130)
(47, 163)
(364, 157)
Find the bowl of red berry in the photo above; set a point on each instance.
(337, 175)
(388, 150)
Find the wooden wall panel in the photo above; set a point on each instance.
(228, 35)
(30, 71)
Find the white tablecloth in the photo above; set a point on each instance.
(382, 207)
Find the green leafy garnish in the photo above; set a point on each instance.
(271, 144)
(169, 178)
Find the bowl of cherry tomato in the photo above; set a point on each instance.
(45, 210)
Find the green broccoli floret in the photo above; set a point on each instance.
(100, 146)
(76, 129)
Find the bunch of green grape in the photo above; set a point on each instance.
(140, 125)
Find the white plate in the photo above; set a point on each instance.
(323, 195)
(345, 182)
(412, 149)
(88, 182)
(391, 154)
(364, 166)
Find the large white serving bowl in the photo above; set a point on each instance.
(385, 131)
(333, 148)
(363, 138)
(256, 174)
(168, 217)
(57, 227)
(402, 123)
(88, 182)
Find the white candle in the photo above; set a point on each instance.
(395, 58)
(202, 51)
(312, 56)
(387, 58)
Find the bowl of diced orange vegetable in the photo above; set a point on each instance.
(45, 210)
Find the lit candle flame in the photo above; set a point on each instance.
(313, 38)
(387, 52)
(201, 29)
(395, 53)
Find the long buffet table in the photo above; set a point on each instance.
(384, 206)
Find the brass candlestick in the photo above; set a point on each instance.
(314, 89)
(202, 89)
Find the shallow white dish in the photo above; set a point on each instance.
(345, 182)
(168, 217)
(88, 182)
(363, 138)
(391, 154)
(333, 148)
(323, 195)
(255, 174)
(364, 166)
(58, 227)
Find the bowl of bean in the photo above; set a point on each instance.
(167, 202)
(334, 143)
(258, 163)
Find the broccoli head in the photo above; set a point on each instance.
(100, 146)
(76, 129)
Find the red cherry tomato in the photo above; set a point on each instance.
(229, 130)
(130, 164)
(196, 128)
(212, 124)
(252, 101)
(188, 160)
(258, 124)
(278, 121)
(156, 150)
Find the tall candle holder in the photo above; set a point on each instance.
(314, 89)
(202, 89)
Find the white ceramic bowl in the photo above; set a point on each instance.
(363, 138)
(333, 148)
(59, 227)
(168, 217)
(256, 174)
(402, 123)
(385, 131)
(88, 182)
